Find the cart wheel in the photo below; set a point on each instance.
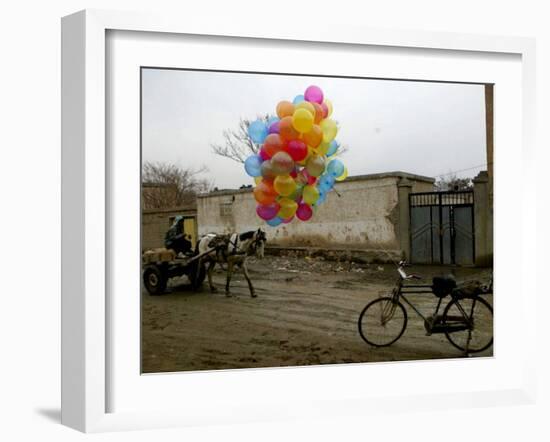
(155, 280)
(197, 273)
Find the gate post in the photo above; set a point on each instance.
(404, 188)
(483, 220)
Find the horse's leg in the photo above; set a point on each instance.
(230, 264)
(211, 265)
(250, 286)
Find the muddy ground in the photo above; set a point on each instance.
(305, 314)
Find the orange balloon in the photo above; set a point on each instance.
(273, 143)
(319, 113)
(264, 192)
(285, 109)
(286, 129)
(314, 137)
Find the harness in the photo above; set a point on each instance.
(235, 249)
(226, 245)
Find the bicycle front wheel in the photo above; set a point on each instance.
(470, 324)
(382, 322)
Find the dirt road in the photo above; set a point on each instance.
(306, 313)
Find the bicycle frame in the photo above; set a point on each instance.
(402, 288)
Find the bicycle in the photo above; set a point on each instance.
(466, 320)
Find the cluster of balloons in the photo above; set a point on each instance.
(295, 166)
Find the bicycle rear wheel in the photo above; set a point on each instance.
(382, 322)
(472, 320)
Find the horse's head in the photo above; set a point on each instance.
(259, 241)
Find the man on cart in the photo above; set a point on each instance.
(177, 240)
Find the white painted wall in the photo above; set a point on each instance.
(364, 216)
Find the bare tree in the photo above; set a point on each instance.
(452, 182)
(166, 185)
(237, 145)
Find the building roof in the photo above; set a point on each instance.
(184, 210)
(367, 177)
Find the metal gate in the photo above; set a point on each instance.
(442, 227)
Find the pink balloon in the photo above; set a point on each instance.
(274, 128)
(314, 94)
(263, 154)
(267, 211)
(304, 212)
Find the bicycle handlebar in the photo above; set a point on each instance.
(403, 274)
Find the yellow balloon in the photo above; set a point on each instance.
(344, 175)
(302, 121)
(288, 207)
(284, 185)
(329, 129)
(323, 148)
(307, 106)
(258, 180)
(310, 194)
(329, 107)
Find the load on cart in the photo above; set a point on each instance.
(179, 257)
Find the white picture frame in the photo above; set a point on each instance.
(85, 202)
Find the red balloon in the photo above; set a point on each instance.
(263, 154)
(297, 150)
(304, 212)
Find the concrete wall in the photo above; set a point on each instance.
(366, 215)
(483, 219)
(156, 222)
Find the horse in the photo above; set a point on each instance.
(233, 250)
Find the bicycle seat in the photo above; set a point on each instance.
(443, 285)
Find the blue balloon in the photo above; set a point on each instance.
(253, 165)
(321, 199)
(326, 182)
(335, 168)
(332, 148)
(298, 99)
(272, 120)
(257, 131)
(274, 222)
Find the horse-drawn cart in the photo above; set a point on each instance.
(159, 265)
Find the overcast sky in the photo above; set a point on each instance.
(424, 128)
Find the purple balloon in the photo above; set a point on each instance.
(274, 128)
(267, 211)
(314, 94)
